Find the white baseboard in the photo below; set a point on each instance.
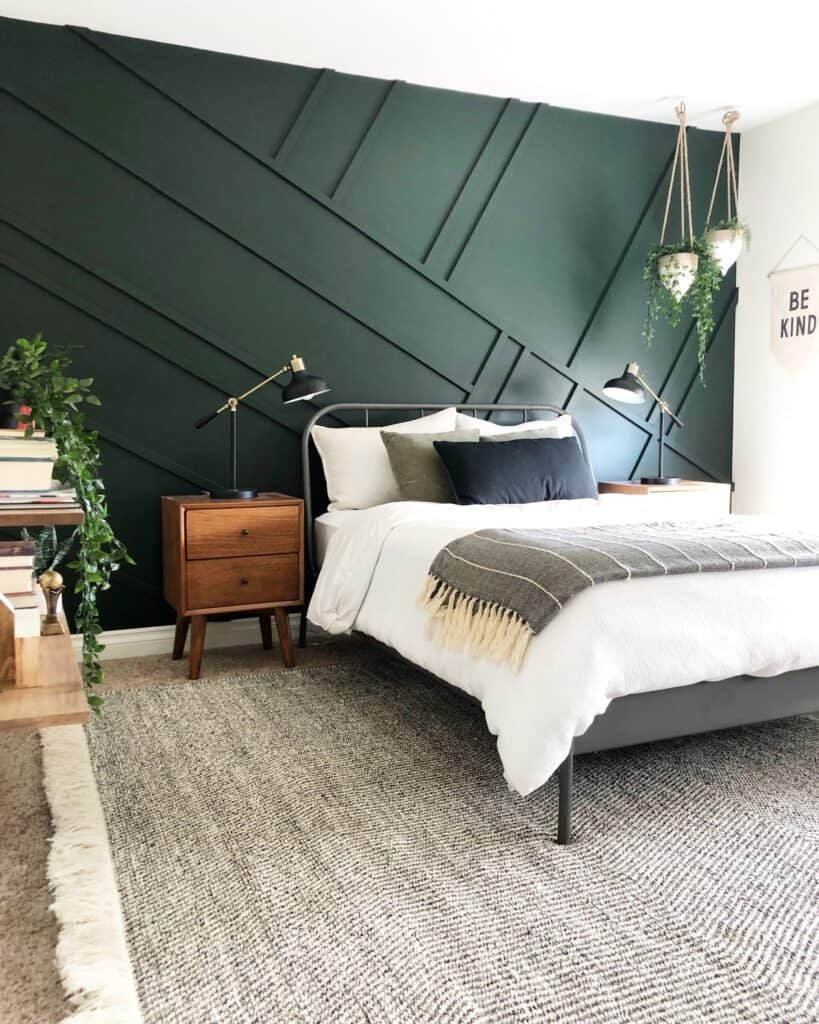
(135, 643)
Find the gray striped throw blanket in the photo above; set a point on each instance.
(492, 591)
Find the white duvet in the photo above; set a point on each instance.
(613, 639)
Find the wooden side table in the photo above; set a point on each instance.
(232, 556)
(692, 499)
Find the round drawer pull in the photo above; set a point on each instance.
(245, 579)
(245, 532)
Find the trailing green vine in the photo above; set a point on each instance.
(663, 302)
(36, 376)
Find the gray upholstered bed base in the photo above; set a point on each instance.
(638, 717)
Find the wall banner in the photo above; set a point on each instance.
(795, 315)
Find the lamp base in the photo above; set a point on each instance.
(660, 481)
(232, 494)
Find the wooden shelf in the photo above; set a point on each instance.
(48, 515)
(60, 697)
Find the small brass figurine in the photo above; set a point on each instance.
(52, 586)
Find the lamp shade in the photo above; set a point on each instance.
(302, 386)
(626, 388)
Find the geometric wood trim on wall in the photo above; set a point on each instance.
(189, 219)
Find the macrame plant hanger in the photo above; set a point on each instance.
(726, 243)
(678, 269)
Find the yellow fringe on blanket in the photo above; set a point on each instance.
(483, 628)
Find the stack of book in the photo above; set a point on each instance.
(17, 585)
(55, 497)
(25, 473)
(26, 462)
(19, 615)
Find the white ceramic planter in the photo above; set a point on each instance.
(725, 246)
(677, 271)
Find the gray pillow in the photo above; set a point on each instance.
(522, 435)
(417, 466)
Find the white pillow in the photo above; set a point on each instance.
(560, 426)
(356, 465)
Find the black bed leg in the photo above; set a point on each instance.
(564, 800)
(303, 628)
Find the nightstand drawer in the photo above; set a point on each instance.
(259, 579)
(218, 533)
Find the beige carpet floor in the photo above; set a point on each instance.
(30, 989)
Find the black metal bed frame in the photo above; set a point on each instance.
(635, 718)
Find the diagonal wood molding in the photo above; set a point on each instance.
(588, 384)
(462, 385)
(458, 246)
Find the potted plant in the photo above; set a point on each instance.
(37, 376)
(676, 266)
(725, 240)
(677, 271)
(691, 274)
(49, 554)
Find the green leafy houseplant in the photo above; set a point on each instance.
(735, 225)
(37, 376)
(50, 552)
(663, 300)
(725, 239)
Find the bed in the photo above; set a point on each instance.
(707, 652)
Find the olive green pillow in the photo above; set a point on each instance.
(417, 467)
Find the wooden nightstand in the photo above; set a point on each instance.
(689, 499)
(232, 556)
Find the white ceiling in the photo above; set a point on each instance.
(630, 58)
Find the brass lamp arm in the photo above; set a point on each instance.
(261, 384)
(295, 364)
(637, 372)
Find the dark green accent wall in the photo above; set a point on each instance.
(190, 219)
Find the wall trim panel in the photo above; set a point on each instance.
(181, 220)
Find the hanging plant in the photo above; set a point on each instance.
(37, 376)
(676, 272)
(726, 238)
(665, 300)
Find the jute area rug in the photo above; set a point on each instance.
(336, 844)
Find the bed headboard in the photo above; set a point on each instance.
(365, 408)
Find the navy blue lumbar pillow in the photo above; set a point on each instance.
(516, 472)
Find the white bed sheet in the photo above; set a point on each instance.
(326, 525)
(614, 639)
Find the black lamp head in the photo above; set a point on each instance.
(303, 385)
(626, 388)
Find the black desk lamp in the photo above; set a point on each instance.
(631, 388)
(302, 386)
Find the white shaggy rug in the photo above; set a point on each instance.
(92, 954)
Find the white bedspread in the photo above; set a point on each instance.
(614, 639)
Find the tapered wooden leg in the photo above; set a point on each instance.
(198, 626)
(179, 637)
(267, 632)
(285, 641)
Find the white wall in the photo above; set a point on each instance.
(776, 411)
(581, 55)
